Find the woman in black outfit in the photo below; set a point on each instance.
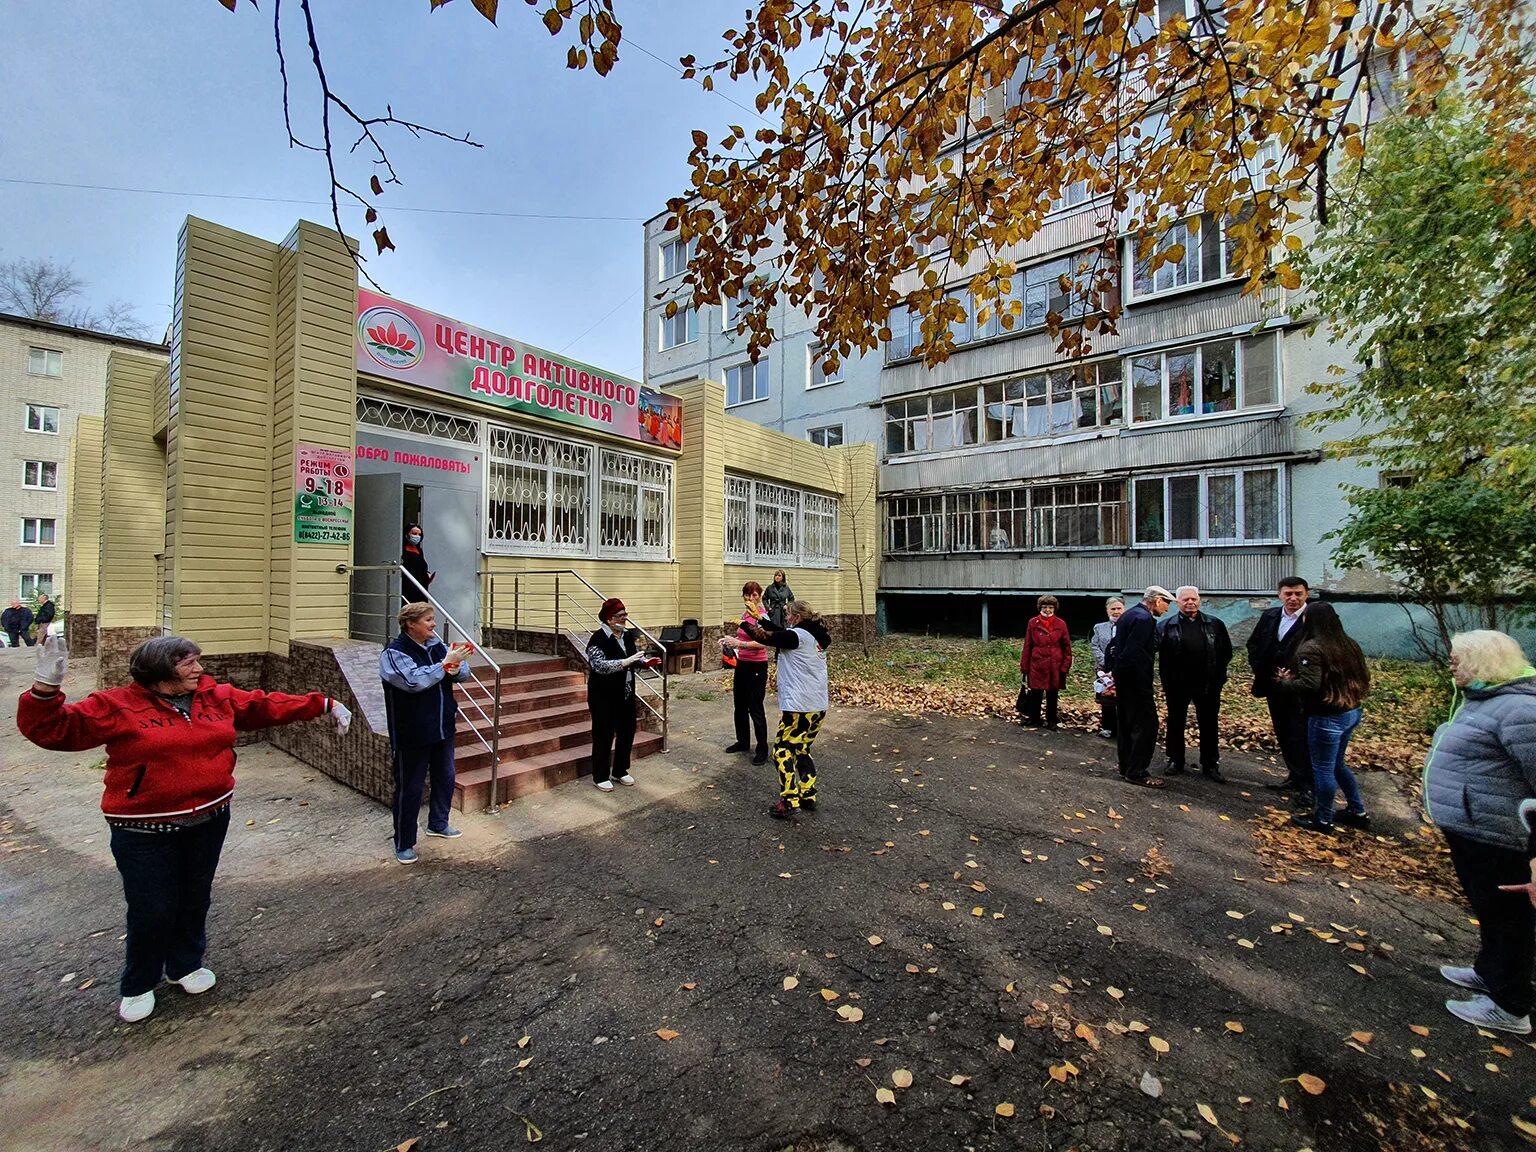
(413, 562)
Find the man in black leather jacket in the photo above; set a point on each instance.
(1271, 645)
(1193, 651)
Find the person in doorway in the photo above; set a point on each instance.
(17, 622)
(1271, 645)
(1103, 679)
(419, 672)
(749, 683)
(803, 700)
(1479, 781)
(612, 654)
(170, 739)
(46, 610)
(776, 598)
(1194, 651)
(415, 577)
(1135, 649)
(1329, 676)
(1044, 661)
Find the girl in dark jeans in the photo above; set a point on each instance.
(1328, 672)
(750, 681)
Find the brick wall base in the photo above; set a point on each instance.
(113, 647)
(348, 671)
(80, 634)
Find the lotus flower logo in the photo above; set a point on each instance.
(390, 338)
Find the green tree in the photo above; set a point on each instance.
(1427, 274)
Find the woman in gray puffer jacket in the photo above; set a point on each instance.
(1480, 770)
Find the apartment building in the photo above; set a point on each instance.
(51, 375)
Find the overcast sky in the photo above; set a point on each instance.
(180, 96)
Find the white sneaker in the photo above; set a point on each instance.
(603, 785)
(198, 982)
(136, 1008)
(1483, 1012)
(627, 780)
(1463, 977)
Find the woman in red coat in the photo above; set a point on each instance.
(1044, 663)
(170, 740)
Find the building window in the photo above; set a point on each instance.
(45, 362)
(1241, 506)
(682, 327)
(829, 437)
(1397, 479)
(675, 255)
(538, 491)
(818, 375)
(1042, 517)
(38, 531)
(397, 417)
(746, 383)
(42, 474)
(1201, 379)
(1005, 518)
(1199, 255)
(730, 313)
(768, 523)
(33, 583)
(1064, 288)
(42, 418)
(1087, 515)
(1384, 81)
(914, 524)
(1054, 403)
(633, 512)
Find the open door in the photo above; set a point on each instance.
(378, 524)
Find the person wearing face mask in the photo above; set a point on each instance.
(1044, 661)
(1480, 789)
(1103, 679)
(419, 672)
(417, 577)
(170, 739)
(612, 654)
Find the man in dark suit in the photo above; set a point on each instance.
(1270, 646)
(1134, 648)
(1192, 655)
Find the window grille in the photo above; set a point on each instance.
(397, 417)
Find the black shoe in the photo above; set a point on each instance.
(1213, 774)
(760, 756)
(1304, 801)
(782, 811)
(1354, 819)
(808, 803)
(1027, 723)
(737, 747)
(1288, 785)
(1050, 727)
(1174, 769)
(1313, 824)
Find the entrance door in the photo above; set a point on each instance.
(380, 500)
(450, 520)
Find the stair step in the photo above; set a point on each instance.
(512, 686)
(471, 725)
(527, 775)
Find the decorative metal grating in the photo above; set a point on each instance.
(398, 417)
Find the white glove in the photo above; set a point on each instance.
(52, 659)
(342, 715)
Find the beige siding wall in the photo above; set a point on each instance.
(82, 547)
(698, 511)
(223, 414)
(319, 406)
(649, 591)
(133, 491)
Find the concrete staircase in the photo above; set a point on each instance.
(546, 733)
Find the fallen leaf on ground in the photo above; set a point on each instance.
(958, 1080)
(668, 1033)
(524, 1062)
(863, 1061)
(1106, 930)
(1363, 1037)
(1004, 1109)
(875, 941)
(523, 1043)
(1151, 1085)
(828, 995)
(1086, 1034)
(1236, 915)
(1310, 1084)
(902, 1078)
(1418, 1029)
(1004, 1043)
(1114, 993)
(885, 1096)
(790, 983)
(1234, 1026)
(688, 987)
(408, 1145)
(1159, 1045)
(851, 1014)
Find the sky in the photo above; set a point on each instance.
(183, 97)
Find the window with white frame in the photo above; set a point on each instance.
(1237, 506)
(914, 524)
(682, 327)
(547, 496)
(1041, 517)
(634, 505)
(768, 523)
(1202, 379)
(1005, 519)
(45, 362)
(42, 418)
(1385, 73)
(1053, 403)
(1065, 288)
(931, 423)
(675, 255)
(43, 474)
(818, 374)
(33, 583)
(38, 531)
(1198, 252)
(746, 383)
(830, 436)
(730, 313)
(1087, 515)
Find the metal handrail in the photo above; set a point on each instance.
(494, 719)
(642, 681)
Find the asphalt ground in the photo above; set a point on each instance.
(983, 914)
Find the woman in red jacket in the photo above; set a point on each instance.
(1044, 663)
(170, 739)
